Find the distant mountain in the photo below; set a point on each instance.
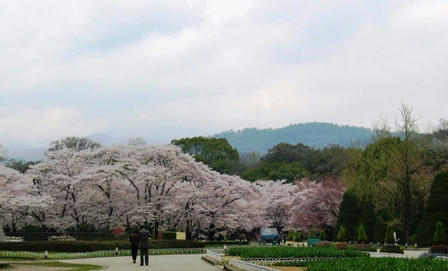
(314, 134)
(35, 154)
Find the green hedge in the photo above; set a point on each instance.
(168, 235)
(292, 252)
(391, 249)
(378, 264)
(88, 246)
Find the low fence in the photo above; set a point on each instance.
(272, 261)
(250, 266)
(97, 254)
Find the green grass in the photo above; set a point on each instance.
(378, 264)
(74, 267)
(292, 252)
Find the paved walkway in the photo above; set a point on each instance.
(156, 263)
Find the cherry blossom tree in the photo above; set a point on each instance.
(316, 204)
(18, 198)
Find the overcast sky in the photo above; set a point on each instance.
(169, 69)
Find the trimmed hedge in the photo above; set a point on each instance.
(391, 249)
(88, 246)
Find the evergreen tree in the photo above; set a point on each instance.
(322, 235)
(298, 236)
(389, 239)
(437, 209)
(290, 236)
(311, 234)
(362, 236)
(439, 235)
(341, 234)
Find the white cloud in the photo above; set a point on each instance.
(198, 67)
(32, 126)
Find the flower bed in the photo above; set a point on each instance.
(378, 264)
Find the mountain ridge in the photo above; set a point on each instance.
(313, 134)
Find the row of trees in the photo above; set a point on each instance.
(399, 181)
(82, 183)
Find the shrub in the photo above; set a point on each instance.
(290, 236)
(340, 237)
(362, 236)
(88, 246)
(298, 236)
(389, 238)
(390, 248)
(439, 235)
(322, 235)
(439, 249)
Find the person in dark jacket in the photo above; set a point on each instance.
(143, 237)
(133, 239)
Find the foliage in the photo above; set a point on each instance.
(292, 252)
(275, 171)
(362, 236)
(354, 212)
(389, 237)
(322, 235)
(437, 209)
(290, 236)
(439, 235)
(391, 248)
(378, 264)
(87, 246)
(340, 237)
(298, 236)
(214, 152)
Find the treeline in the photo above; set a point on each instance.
(282, 162)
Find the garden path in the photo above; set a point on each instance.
(156, 263)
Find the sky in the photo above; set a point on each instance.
(171, 69)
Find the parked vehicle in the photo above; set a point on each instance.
(269, 235)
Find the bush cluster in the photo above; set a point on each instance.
(89, 246)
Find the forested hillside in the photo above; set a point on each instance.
(315, 134)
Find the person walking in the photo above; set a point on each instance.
(143, 237)
(133, 239)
